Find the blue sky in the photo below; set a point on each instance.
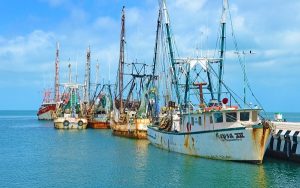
(30, 29)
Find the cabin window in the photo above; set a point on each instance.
(244, 116)
(192, 119)
(254, 115)
(211, 119)
(231, 117)
(218, 117)
(200, 120)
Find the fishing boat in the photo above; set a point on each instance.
(71, 111)
(101, 107)
(47, 109)
(209, 126)
(129, 117)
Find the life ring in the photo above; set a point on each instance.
(80, 123)
(66, 123)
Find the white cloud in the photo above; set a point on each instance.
(78, 14)
(290, 38)
(239, 23)
(194, 23)
(188, 5)
(133, 16)
(55, 3)
(105, 22)
(26, 53)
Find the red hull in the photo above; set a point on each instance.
(46, 108)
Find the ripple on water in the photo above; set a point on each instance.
(34, 154)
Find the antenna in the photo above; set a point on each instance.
(70, 72)
(244, 70)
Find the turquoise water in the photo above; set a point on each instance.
(34, 154)
(288, 116)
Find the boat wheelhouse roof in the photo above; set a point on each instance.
(222, 110)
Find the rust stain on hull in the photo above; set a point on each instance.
(131, 131)
(98, 125)
(131, 134)
(190, 147)
(186, 141)
(260, 136)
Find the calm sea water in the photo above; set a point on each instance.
(34, 154)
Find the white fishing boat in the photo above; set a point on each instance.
(213, 127)
(224, 133)
(69, 114)
(71, 111)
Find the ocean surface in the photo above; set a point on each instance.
(34, 154)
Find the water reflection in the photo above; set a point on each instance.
(141, 151)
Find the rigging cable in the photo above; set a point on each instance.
(241, 64)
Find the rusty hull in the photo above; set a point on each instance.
(136, 130)
(98, 125)
(246, 145)
(261, 139)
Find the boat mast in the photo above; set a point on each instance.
(87, 75)
(97, 73)
(187, 88)
(223, 27)
(158, 30)
(121, 60)
(167, 23)
(56, 85)
(210, 84)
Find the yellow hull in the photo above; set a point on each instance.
(137, 129)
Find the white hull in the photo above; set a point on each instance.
(236, 144)
(46, 115)
(70, 123)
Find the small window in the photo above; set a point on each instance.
(231, 117)
(218, 117)
(192, 119)
(211, 119)
(200, 120)
(244, 116)
(254, 116)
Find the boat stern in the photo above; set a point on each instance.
(70, 123)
